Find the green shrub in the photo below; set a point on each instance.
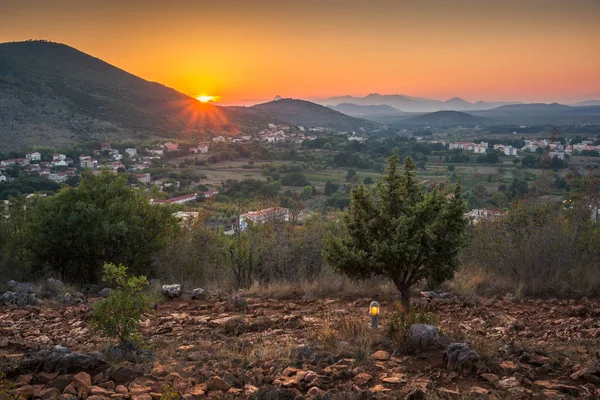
(401, 322)
(119, 315)
(7, 389)
(170, 393)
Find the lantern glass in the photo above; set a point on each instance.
(374, 309)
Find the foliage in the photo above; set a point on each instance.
(103, 220)
(170, 393)
(401, 232)
(295, 179)
(8, 389)
(402, 320)
(119, 315)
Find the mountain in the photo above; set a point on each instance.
(542, 114)
(412, 104)
(587, 103)
(53, 94)
(354, 110)
(305, 113)
(443, 119)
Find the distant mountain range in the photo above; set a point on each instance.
(412, 104)
(54, 95)
(366, 111)
(444, 118)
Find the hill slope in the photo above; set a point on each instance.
(53, 94)
(305, 113)
(444, 118)
(543, 114)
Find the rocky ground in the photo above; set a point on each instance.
(308, 349)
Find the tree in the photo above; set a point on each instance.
(119, 315)
(330, 188)
(401, 231)
(76, 231)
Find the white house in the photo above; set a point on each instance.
(218, 139)
(2, 178)
(131, 152)
(510, 151)
(33, 156)
(143, 178)
(88, 162)
(262, 216)
(58, 177)
(158, 152)
(117, 156)
(59, 157)
(177, 200)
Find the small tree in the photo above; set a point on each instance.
(401, 231)
(119, 315)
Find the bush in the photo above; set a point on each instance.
(119, 315)
(401, 322)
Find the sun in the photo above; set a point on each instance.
(205, 99)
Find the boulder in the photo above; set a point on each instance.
(54, 285)
(197, 294)
(59, 359)
(105, 292)
(460, 356)
(123, 375)
(20, 287)
(67, 299)
(171, 291)
(8, 298)
(424, 337)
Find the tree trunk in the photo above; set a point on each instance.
(404, 296)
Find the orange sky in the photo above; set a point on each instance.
(531, 50)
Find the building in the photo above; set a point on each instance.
(177, 200)
(88, 162)
(117, 156)
(131, 152)
(58, 177)
(2, 178)
(210, 193)
(115, 165)
(201, 148)
(171, 146)
(263, 216)
(33, 156)
(105, 146)
(218, 139)
(510, 151)
(158, 152)
(143, 178)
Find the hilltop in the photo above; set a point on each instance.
(444, 118)
(355, 110)
(305, 113)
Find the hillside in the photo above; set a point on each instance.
(53, 94)
(540, 113)
(305, 113)
(444, 118)
(355, 110)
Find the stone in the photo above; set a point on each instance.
(67, 299)
(104, 293)
(54, 285)
(197, 293)
(424, 337)
(416, 394)
(8, 298)
(217, 383)
(380, 355)
(393, 380)
(362, 379)
(508, 383)
(123, 375)
(460, 357)
(48, 393)
(82, 382)
(172, 291)
(60, 359)
(316, 393)
(508, 367)
(490, 378)
(554, 386)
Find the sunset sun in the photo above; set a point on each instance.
(205, 99)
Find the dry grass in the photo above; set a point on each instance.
(347, 335)
(328, 285)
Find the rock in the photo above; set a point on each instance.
(104, 293)
(508, 367)
(362, 379)
(393, 380)
(82, 383)
(460, 357)
(171, 291)
(508, 383)
(424, 337)
(491, 378)
(54, 285)
(123, 375)
(61, 382)
(217, 383)
(559, 387)
(8, 298)
(128, 352)
(380, 355)
(316, 393)
(67, 299)
(197, 294)
(18, 287)
(48, 394)
(59, 359)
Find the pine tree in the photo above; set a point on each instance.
(401, 231)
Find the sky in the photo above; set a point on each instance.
(247, 51)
